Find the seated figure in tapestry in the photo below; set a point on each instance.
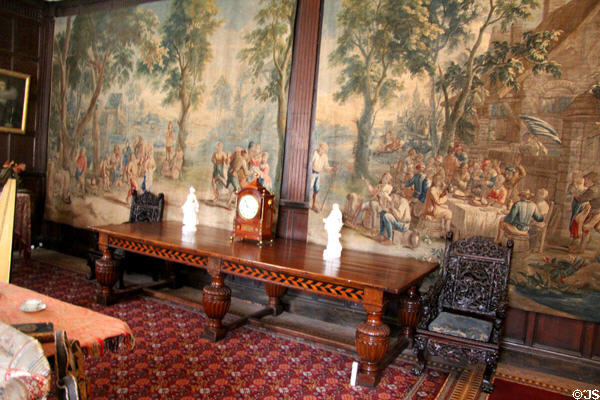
(497, 194)
(419, 183)
(519, 218)
(396, 217)
(380, 199)
(461, 178)
(435, 204)
(404, 169)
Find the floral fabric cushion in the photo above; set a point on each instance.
(24, 370)
(461, 326)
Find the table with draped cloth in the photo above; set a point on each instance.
(470, 220)
(95, 332)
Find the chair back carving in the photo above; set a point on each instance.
(475, 272)
(146, 207)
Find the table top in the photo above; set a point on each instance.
(95, 331)
(391, 274)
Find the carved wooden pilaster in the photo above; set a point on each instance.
(372, 339)
(275, 292)
(216, 299)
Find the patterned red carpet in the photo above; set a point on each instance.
(171, 360)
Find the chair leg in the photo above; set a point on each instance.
(420, 344)
(490, 367)
(121, 284)
(91, 262)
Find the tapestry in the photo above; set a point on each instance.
(163, 97)
(478, 117)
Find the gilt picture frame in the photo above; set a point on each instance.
(14, 95)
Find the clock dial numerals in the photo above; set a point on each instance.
(248, 206)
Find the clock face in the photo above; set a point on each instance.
(248, 206)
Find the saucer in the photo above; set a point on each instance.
(32, 306)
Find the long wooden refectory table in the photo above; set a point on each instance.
(366, 278)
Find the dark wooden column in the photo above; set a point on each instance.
(293, 207)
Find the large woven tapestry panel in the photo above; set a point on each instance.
(478, 117)
(164, 96)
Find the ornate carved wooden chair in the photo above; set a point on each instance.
(146, 207)
(464, 310)
(71, 382)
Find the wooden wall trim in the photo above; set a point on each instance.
(293, 214)
(541, 331)
(23, 8)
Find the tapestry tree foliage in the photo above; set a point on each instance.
(379, 41)
(448, 28)
(95, 52)
(461, 82)
(373, 60)
(220, 97)
(179, 61)
(269, 57)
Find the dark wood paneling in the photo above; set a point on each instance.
(557, 332)
(292, 221)
(515, 325)
(4, 147)
(5, 33)
(22, 148)
(587, 342)
(596, 341)
(300, 117)
(24, 37)
(27, 37)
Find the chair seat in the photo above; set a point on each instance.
(461, 326)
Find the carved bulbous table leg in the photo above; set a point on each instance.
(372, 342)
(216, 300)
(410, 312)
(275, 292)
(107, 274)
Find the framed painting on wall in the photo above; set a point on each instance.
(14, 92)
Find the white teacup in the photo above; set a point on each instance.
(32, 304)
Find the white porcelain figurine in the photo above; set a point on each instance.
(190, 212)
(333, 226)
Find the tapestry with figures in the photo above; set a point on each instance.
(483, 118)
(166, 96)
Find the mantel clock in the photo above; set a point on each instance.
(254, 214)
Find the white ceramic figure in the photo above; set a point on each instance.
(333, 226)
(190, 212)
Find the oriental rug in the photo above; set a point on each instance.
(171, 360)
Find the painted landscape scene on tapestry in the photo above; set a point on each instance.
(483, 118)
(164, 96)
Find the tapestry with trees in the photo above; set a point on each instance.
(478, 116)
(164, 96)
